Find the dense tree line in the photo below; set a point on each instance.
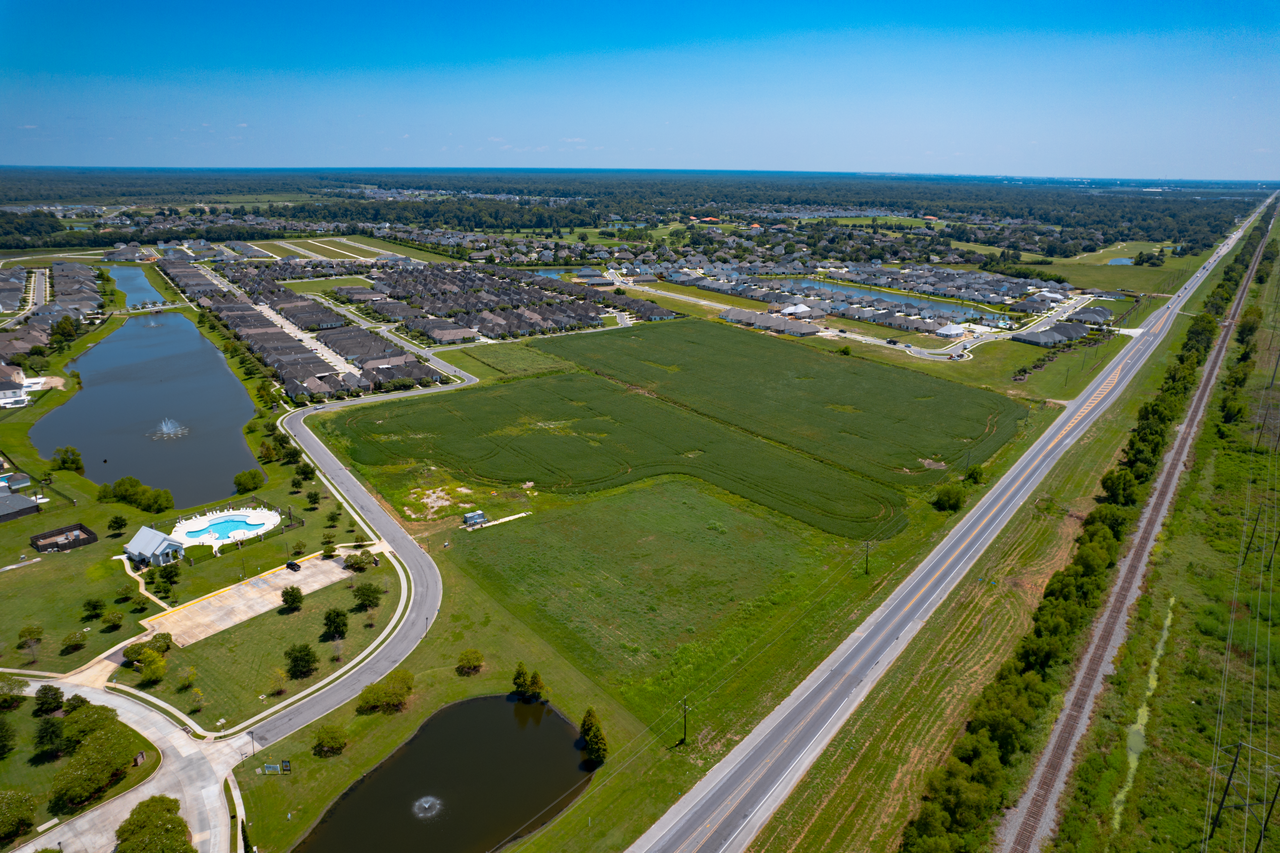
(103, 239)
(36, 224)
(1185, 212)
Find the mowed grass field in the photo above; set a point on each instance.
(383, 247)
(577, 433)
(879, 422)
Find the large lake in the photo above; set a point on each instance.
(155, 366)
(133, 281)
(476, 774)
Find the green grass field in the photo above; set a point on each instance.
(516, 359)
(350, 250)
(577, 433)
(26, 770)
(323, 285)
(234, 667)
(384, 247)
(874, 421)
(274, 248)
(324, 250)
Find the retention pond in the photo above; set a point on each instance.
(133, 281)
(476, 775)
(155, 369)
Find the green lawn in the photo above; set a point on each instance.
(725, 300)
(234, 667)
(274, 248)
(395, 249)
(26, 770)
(343, 246)
(324, 285)
(461, 359)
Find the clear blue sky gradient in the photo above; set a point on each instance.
(1096, 89)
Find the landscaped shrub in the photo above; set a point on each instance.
(330, 741)
(388, 695)
(159, 643)
(248, 481)
(17, 813)
(98, 761)
(302, 660)
(130, 490)
(154, 826)
(469, 662)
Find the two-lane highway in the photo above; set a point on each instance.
(728, 807)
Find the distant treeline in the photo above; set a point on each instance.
(1185, 212)
(101, 239)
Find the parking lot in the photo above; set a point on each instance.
(219, 610)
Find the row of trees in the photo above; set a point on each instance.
(132, 491)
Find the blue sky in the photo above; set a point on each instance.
(1097, 89)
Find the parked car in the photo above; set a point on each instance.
(292, 566)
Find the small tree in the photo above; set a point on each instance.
(297, 483)
(334, 516)
(154, 666)
(335, 622)
(536, 687)
(267, 452)
(520, 681)
(302, 660)
(140, 602)
(169, 573)
(125, 591)
(163, 589)
(117, 524)
(470, 662)
(75, 703)
(330, 741)
(299, 547)
(7, 739)
(596, 748)
(248, 481)
(17, 813)
(313, 499)
(11, 688)
(279, 681)
(48, 700)
(1121, 487)
(291, 596)
(306, 470)
(49, 735)
(154, 826)
(94, 607)
(113, 619)
(187, 679)
(949, 498)
(367, 596)
(975, 475)
(73, 642)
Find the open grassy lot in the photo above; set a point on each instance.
(994, 363)
(875, 421)
(743, 655)
(324, 285)
(516, 359)
(727, 300)
(350, 250)
(274, 248)
(383, 247)
(680, 306)
(578, 433)
(51, 594)
(461, 359)
(324, 250)
(27, 770)
(234, 667)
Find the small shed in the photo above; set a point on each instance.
(151, 547)
(473, 518)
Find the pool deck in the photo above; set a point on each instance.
(232, 605)
(265, 520)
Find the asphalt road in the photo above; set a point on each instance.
(730, 805)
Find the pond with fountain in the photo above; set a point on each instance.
(159, 403)
(133, 281)
(475, 776)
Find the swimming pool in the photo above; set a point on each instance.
(225, 527)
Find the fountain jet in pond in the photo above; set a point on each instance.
(426, 808)
(169, 428)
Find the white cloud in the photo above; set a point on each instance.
(28, 127)
(242, 124)
(574, 139)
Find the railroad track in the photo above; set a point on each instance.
(1058, 762)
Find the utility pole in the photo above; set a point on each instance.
(685, 736)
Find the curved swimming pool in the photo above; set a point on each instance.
(224, 527)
